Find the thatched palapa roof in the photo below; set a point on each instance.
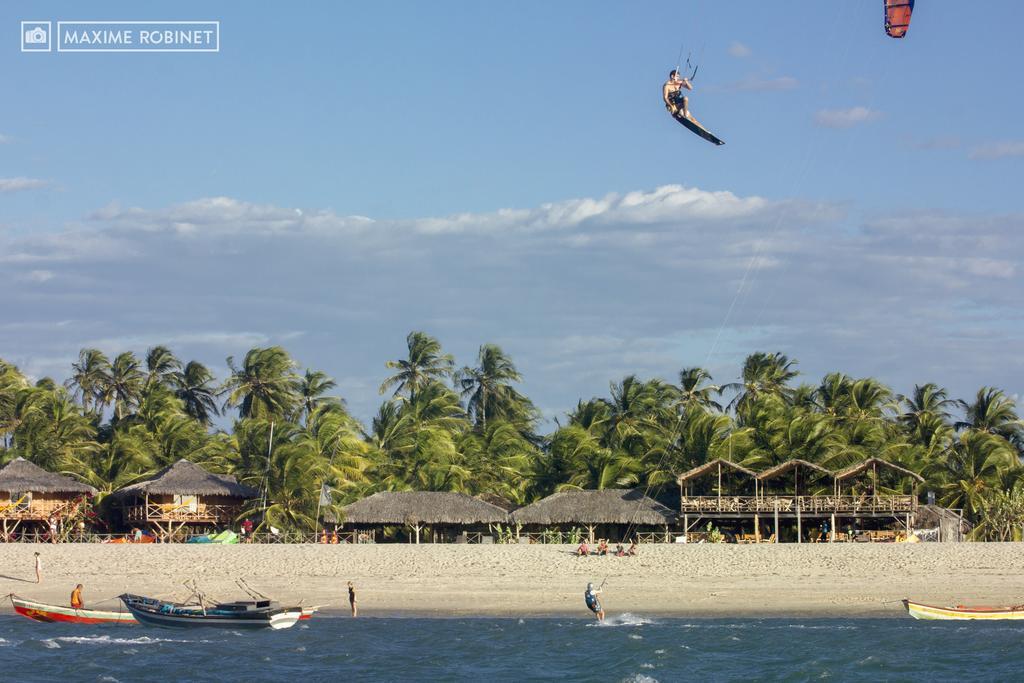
(712, 465)
(20, 476)
(422, 507)
(188, 478)
(793, 464)
(859, 468)
(607, 506)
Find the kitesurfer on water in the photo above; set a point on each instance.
(672, 92)
(592, 602)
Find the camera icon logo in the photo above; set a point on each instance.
(35, 36)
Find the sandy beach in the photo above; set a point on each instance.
(450, 580)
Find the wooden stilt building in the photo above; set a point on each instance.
(182, 498)
(34, 500)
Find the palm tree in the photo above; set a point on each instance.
(693, 392)
(193, 385)
(161, 366)
(312, 387)
(265, 386)
(992, 412)
(764, 374)
(88, 379)
(971, 474)
(426, 363)
(122, 385)
(588, 464)
(927, 399)
(487, 388)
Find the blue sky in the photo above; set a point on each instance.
(340, 174)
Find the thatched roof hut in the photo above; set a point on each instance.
(22, 476)
(606, 506)
(713, 465)
(794, 464)
(873, 464)
(423, 508)
(184, 477)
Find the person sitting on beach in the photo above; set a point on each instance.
(590, 596)
(602, 547)
(323, 538)
(584, 549)
(76, 598)
(633, 549)
(334, 537)
(619, 550)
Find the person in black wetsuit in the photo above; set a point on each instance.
(593, 603)
(352, 602)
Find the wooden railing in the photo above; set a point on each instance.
(32, 510)
(805, 504)
(171, 512)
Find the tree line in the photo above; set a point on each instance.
(446, 428)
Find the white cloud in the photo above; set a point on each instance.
(845, 118)
(5, 139)
(739, 50)
(19, 184)
(39, 275)
(579, 291)
(998, 150)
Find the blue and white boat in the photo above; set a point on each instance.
(243, 614)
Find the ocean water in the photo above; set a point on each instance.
(627, 648)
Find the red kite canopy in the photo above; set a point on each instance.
(897, 17)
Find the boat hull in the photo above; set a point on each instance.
(166, 615)
(931, 612)
(38, 611)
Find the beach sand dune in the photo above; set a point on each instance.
(515, 580)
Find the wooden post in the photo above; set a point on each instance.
(590, 534)
(416, 528)
(719, 486)
(832, 529)
(799, 526)
(757, 529)
(778, 531)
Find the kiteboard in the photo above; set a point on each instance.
(698, 129)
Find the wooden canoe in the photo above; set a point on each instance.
(38, 611)
(960, 612)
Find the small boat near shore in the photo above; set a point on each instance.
(39, 611)
(243, 614)
(961, 612)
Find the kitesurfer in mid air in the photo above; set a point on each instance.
(592, 601)
(672, 92)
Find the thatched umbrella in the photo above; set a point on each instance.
(418, 508)
(22, 476)
(590, 508)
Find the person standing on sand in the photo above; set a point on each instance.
(352, 602)
(39, 569)
(590, 596)
(76, 598)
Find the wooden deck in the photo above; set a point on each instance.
(741, 506)
(171, 512)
